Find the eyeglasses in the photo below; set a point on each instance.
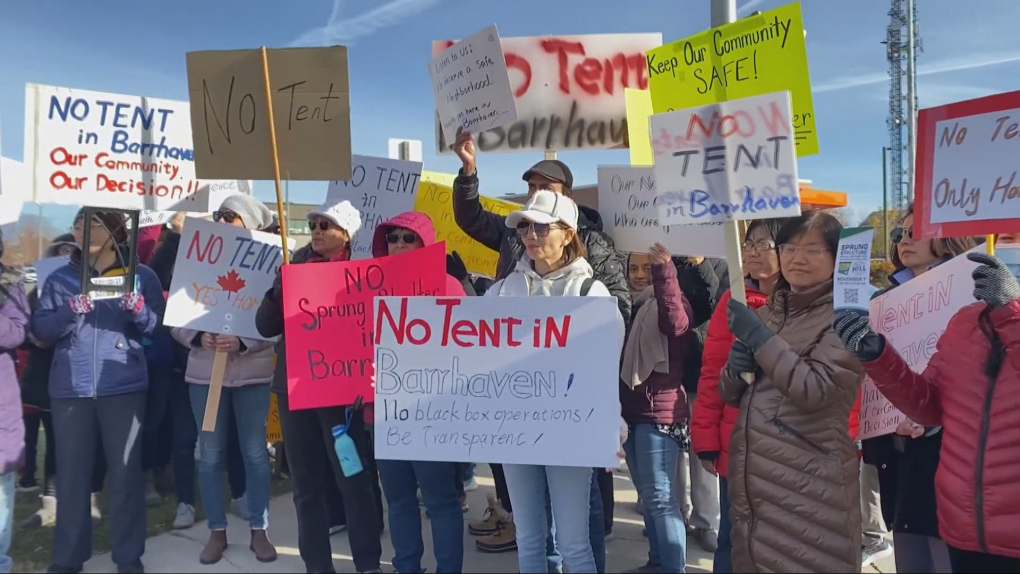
(791, 250)
(760, 245)
(541, 229)
(225, 216)
(898, 233)
(322, 224)
(408, 238)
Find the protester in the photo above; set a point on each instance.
(905, 462)
(655, 405)
(307, 434)
(713, 421)
(97, 386)
(793, 417)
(960, 390)
(1007, 239)
(13, 327)
(553, 265)
(401, 480)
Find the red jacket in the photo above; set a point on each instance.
(976, 484)
(712, 421)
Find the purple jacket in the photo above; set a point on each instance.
(661, 399)
(13, 327)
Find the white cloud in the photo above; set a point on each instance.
(932, 94)
(345, 31)
(958, 64)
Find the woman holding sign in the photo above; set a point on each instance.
(553, 265)
(793, 476)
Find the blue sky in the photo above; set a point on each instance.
(133, 47)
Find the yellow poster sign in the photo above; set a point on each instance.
(753, 56)
(274, 432)
(435, 199)
(639, 108)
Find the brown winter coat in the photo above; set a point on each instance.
(793, 472)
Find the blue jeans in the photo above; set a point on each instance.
(596, 532)
(437, 480)
(251, 406)
(652, 458)
(569, 494)
(6, 520)
(723, 564)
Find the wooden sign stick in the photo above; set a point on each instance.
(735, 262)
(990, 245)
(212, 405)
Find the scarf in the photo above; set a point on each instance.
(647, 348)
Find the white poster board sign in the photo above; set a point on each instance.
(912, 317)
(220, 276)
(472, 86)
(627, 203)
(111, 150)
(15, 191)
(498, 379)
(218, 191)
(728, 161)
(380, 188)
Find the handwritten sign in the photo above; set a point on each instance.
(311, 109)
(568, 90)
(220, 276)
(627, 203)
(328, 321)
(472, 86)
(728, 161)
(381, 188)
(912, 318)
(435, 199)
(511, 380)
(968, 179)
(750, 57)
(111, 150)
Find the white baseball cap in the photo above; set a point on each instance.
(342, 214)
(546, 207)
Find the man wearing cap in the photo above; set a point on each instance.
(490, 229)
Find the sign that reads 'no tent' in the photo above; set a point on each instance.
(311, 109)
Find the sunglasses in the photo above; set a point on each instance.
(408, 238)
(541, 229)
(898, 233)
(323, 225)
(225, 216)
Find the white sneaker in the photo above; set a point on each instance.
(337, 529)
(239, 508)
(97, 513)
(185, 516)
(875, 552)
(471, 485)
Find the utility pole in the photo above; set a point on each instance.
(885, 199)
(723, 12)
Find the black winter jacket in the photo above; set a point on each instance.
(491, 231)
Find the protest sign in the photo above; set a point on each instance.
(435, 199)
(750, 57)
(968, 180)
(526, 380)
(851, 288)
(154, 218)
(639, 111)
(380, 188)
(627, 204)
(220, 276)
(111, 150)
(568, 91)
(912, 318)
(16, 190)
(328, 313)
(725, 162)
(472, 86)
(311, 109)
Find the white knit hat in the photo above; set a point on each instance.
(341, 213)
(254, 213)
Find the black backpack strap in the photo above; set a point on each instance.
(586, 286)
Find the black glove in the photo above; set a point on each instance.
(993, 282)
(278, 286)
(855, 330)
(741, 359)
(747, 326)
(455, 267)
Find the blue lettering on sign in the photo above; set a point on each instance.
(699, 203)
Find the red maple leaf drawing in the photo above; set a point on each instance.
(231, 282)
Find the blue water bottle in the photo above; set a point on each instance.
(346, 452)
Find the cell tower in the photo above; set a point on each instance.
(903, 43)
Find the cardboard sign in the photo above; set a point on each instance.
(627, 204)
(968, 179)
(328, 321)
(726, 162)
(220, 276)
(527, 380)
(851, 289)
(111, 150)
(912, 318)
(569, 91)
(311, 109)
(435, 199)
(380, 188)
(750, 57)
(472, 86)
(639, 112)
